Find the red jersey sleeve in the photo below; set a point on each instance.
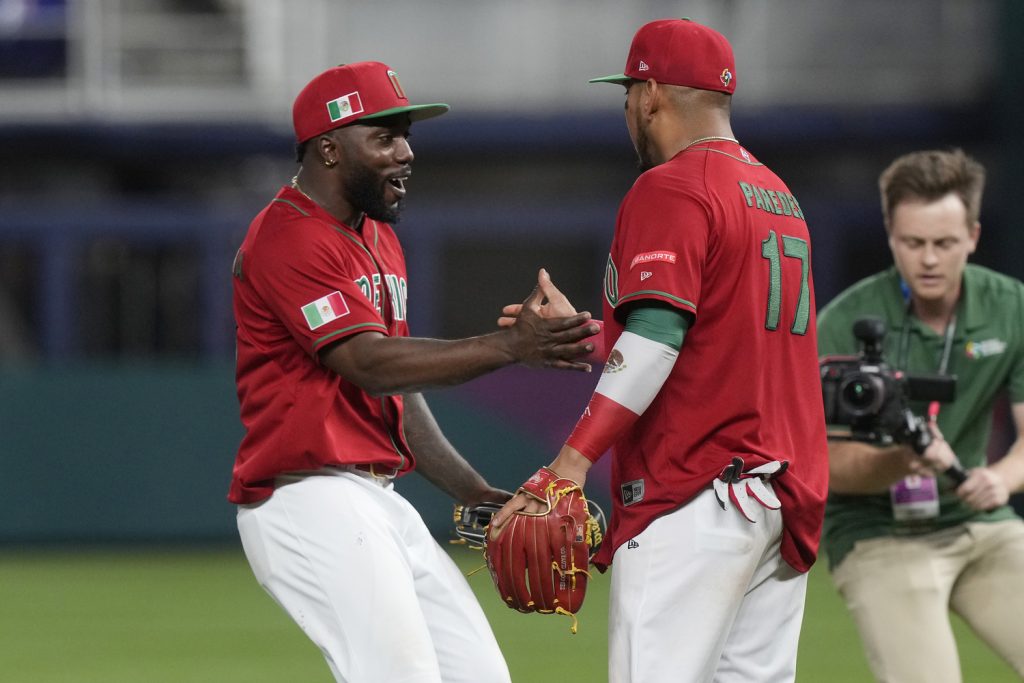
(662, 244)
(317, 286)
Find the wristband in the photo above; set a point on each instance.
(602, 422)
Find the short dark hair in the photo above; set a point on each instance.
(300, 151)
(931, 175)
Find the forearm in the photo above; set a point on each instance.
(861, 469)
(382, 365)
(620, 398)
(436, 459)
(394, 365)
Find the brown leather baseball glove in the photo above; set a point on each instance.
(539, 561)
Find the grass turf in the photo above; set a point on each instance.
(197, 616)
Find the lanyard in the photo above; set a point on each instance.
(947, 347)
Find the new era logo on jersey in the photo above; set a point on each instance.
(325, 309)
(632, 492)
(632, 544)
(643, 66)
(644, 274)
(345, 106)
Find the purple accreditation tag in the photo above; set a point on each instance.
(914, 497)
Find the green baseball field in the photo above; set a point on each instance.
(197, 616)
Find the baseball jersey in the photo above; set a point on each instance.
(987, 358)
(714, 233)
(302, 280)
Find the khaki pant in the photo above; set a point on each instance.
(899, 591)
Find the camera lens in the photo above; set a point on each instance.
(861, 394)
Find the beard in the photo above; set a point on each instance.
(365, 191)
(644, 161)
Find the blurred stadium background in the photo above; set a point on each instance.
(139, 137)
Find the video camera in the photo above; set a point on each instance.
(866, 394)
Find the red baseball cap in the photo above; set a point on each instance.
(679, 52)
(353, 92)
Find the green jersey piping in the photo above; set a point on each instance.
(641, 292)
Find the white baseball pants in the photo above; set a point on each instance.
(704, 595)
(352, 563)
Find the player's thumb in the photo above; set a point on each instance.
(496, 524)
(546, 285)
(502, 516)
(552, 293)
(533, 301)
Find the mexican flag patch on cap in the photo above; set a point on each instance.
(324, 310)
(345, 106)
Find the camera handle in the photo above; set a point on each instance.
(921, 438)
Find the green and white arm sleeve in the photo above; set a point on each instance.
(637, 367)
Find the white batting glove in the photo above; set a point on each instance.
(744, 489)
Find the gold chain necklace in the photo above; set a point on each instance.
(709, 138)
(295, 185)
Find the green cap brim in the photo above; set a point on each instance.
(614, 78)
(416, 112)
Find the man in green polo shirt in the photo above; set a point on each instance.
(905, 544)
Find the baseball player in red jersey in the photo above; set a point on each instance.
(327, 381)
(710, 397)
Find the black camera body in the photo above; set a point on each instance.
(866, 394)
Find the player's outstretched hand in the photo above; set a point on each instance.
(554, 305)
(554, 342)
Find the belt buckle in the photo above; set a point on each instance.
(389, 475)
(374, 470)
